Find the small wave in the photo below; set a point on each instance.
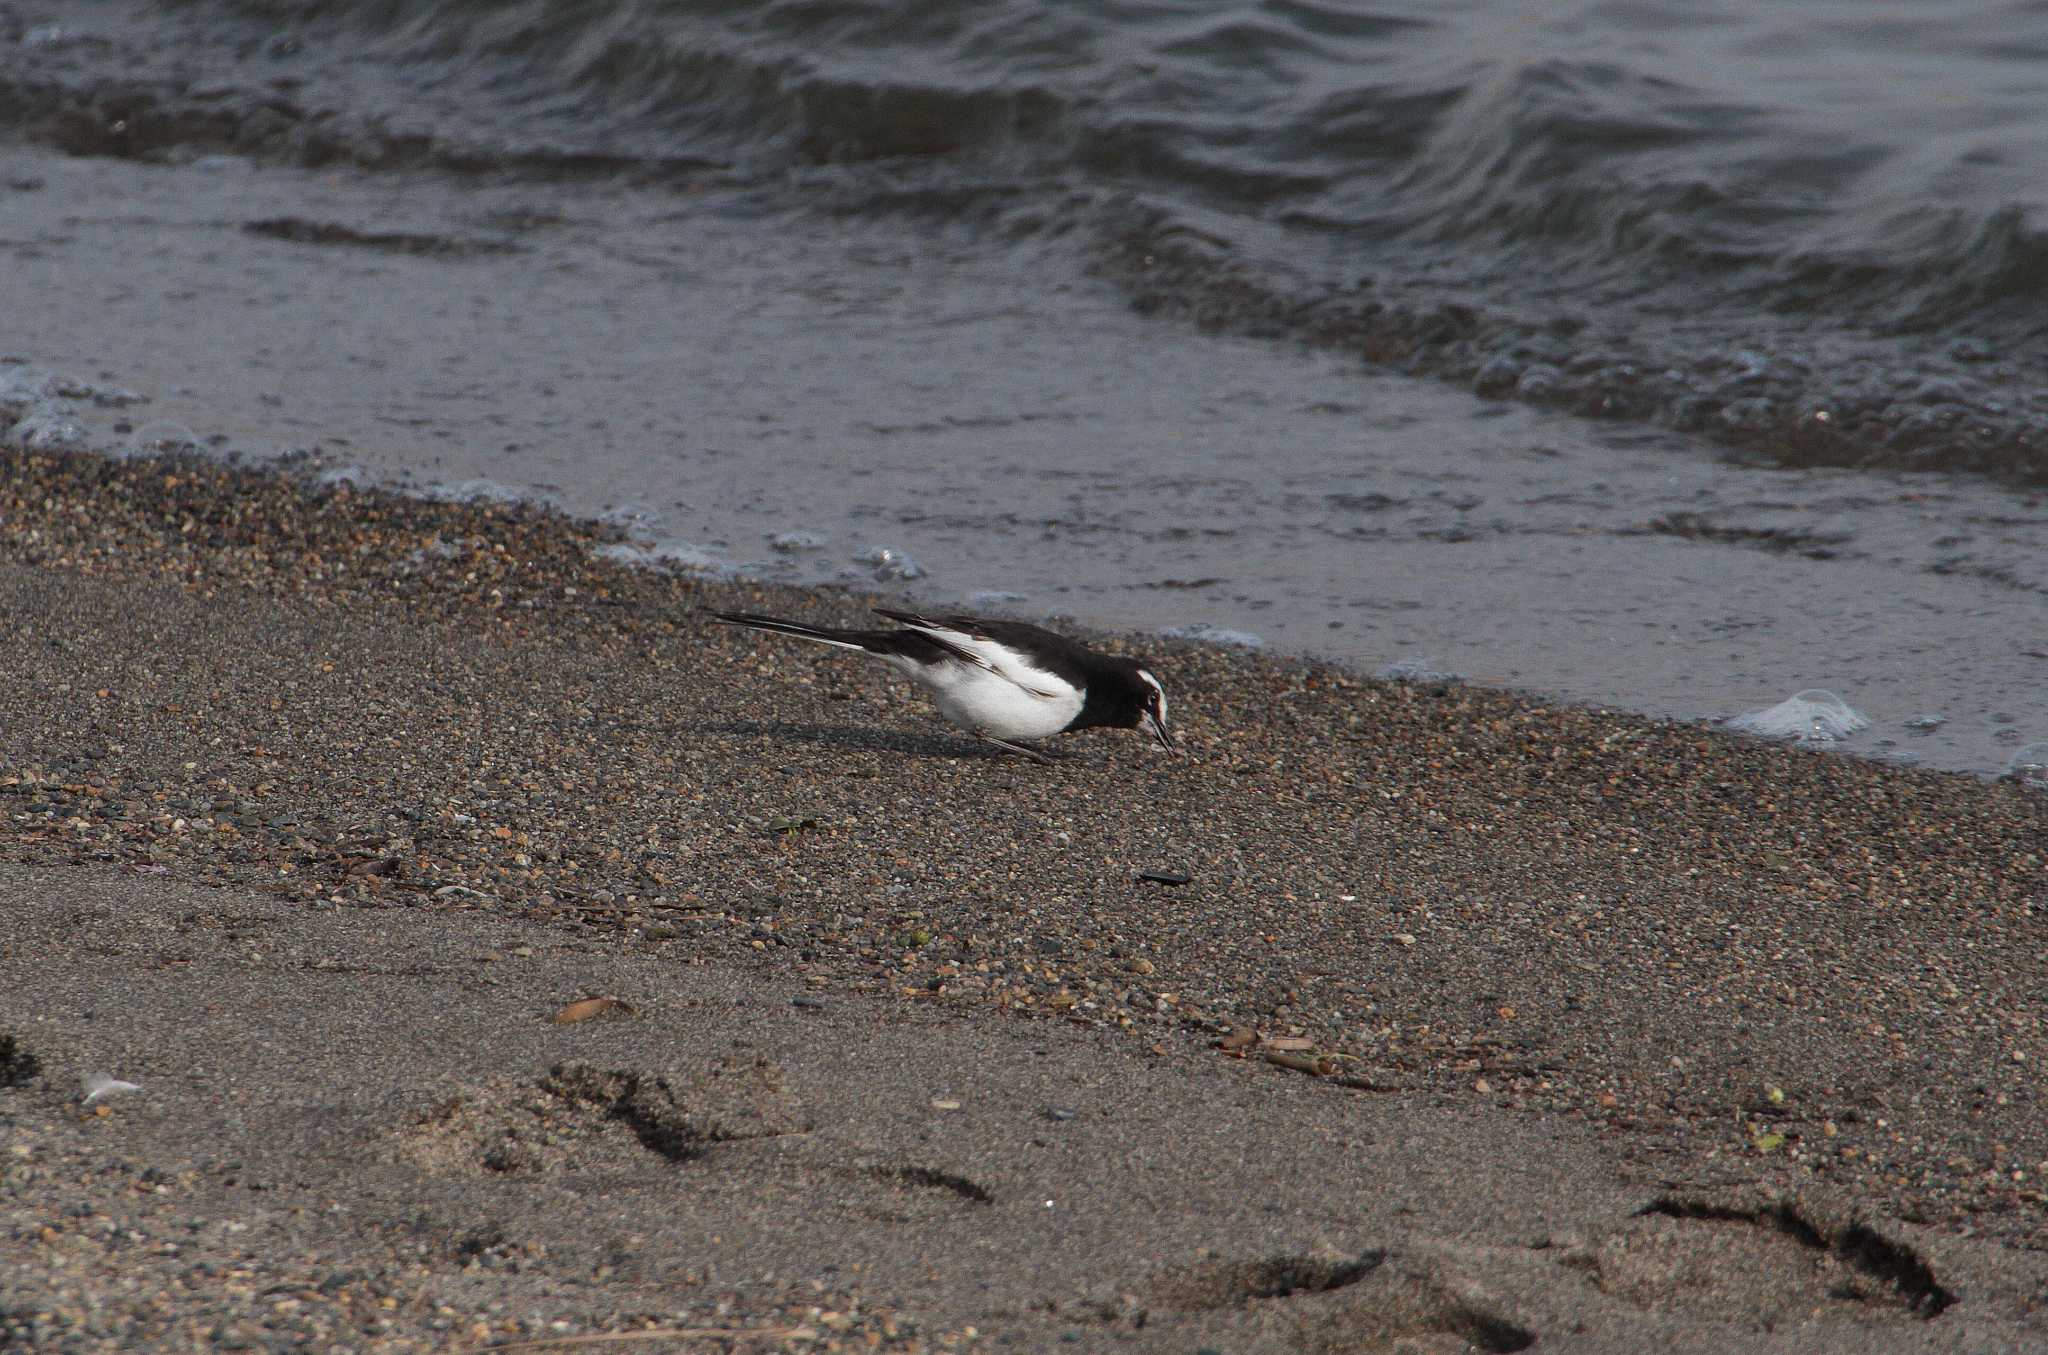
(665, 556)
(1203, 633)
(475, 491)
(1814, 716)
(888, 564)
(1597, 218)
(1414, 669)
(2029, 767)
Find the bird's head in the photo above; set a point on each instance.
(1152, 709)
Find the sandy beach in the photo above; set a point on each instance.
(1391, 1017)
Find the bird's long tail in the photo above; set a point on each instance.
(824, 635)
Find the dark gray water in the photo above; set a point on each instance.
(1678, 357)
(1812, 230)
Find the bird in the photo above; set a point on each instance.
(1001, 681)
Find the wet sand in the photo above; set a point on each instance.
(1478, 1023)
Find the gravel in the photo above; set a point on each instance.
(1798, 968)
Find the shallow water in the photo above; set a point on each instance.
(717, 387)
(966, 371)
(1814, 233)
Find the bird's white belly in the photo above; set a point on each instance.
(994, 705)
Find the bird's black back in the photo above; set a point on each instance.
(1115, 694)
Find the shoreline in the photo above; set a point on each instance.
(1726, 965)
(1593, 561)
(303, 477)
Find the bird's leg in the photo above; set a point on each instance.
(1032, 753)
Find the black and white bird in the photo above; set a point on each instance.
(1000, 680)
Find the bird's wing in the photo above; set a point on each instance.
(968, 638)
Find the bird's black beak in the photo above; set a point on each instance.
(1160, 732)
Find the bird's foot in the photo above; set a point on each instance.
(1032, 753)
